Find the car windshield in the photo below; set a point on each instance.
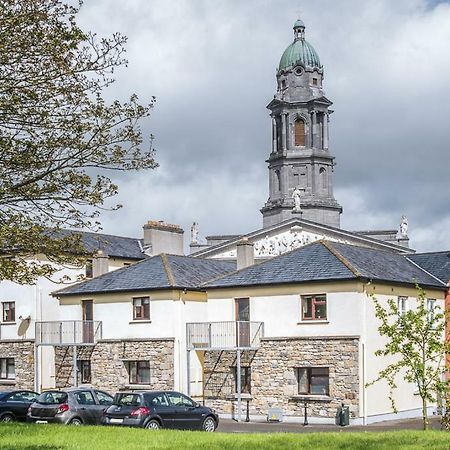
(52, 398)
(127, 400)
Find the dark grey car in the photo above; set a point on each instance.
(14, 404)
(75, 406)
(159, 409)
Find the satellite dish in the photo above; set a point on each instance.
(23, 327)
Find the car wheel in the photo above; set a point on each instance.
(152, 424)
(76, 421)
(209, 425)
(7, 418)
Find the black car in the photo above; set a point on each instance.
(76, 406)
(14, 404)
(162, 409)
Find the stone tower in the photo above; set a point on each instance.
(300, 160)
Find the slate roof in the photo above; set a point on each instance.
(324, 260)
(111, 245)
(436, 263)
(159, 272)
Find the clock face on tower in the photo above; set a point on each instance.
(298, 71)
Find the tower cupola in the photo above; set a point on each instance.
(300, 51)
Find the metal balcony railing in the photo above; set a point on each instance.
(223, 335)
(68, 332)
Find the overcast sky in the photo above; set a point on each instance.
(211, 65)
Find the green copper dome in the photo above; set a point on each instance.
(300, 51)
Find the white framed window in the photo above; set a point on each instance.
(9, 311)
(431, 305)
(7, 369)
(138, 372)
(141, 308)
(402, 305)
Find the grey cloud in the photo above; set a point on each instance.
(212, 67)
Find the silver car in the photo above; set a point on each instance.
(76, 406)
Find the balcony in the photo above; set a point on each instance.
(68, 332)
(230, 335)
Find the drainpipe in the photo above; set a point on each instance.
(447, 329)
(238, 383)
(363, 354)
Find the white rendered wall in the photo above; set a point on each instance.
(378, 403)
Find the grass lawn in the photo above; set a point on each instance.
(46, 437)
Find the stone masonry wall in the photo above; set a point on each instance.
(108, 363)
(274, 378)
(23, 353)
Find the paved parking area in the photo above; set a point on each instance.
(231, 426)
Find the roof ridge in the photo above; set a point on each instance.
(260, 262)
(96, 233)
(103, 275)
(431, 253)
(168, 269)
(341, 258)
(426, 271)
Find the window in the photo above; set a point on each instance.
(84, 371)
(315, 82)
(313, 380)
(299, 127)
(278, 175)
(246, 380)
(314, 307)
(139, 372)
(85, 398)
(103, 398)
(7, 369)
(9, 311)
(141, 308)
(177, 399)
(89, 268)
(323, 177)
(127, 400)
(402, 305)
(431, 305)
(23, 396)
(157, 399)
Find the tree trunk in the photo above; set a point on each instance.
(424, 413)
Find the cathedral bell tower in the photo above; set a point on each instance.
(300, 164)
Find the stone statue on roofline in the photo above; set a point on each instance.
(194, 233)
(296, 195)
(403, 230)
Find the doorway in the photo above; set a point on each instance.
(87, 307)
(242, 314)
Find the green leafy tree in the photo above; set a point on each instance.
(59, 137)
(416, 341)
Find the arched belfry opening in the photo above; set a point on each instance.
(299, 132)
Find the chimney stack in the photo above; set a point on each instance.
(100, 264)
(245, 254)
(162, 237)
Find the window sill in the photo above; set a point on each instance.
(139, 321)
(313, 322)
(312, 398)
(7, 382)
(243, 397)
(138, 386)
(8, 323)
